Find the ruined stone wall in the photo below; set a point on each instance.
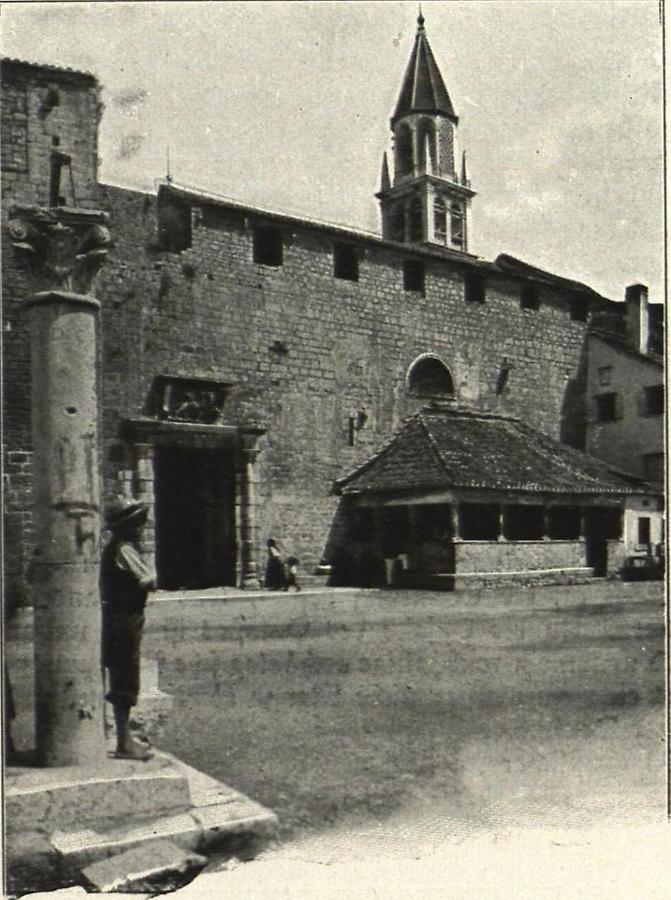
(42, 110)
(305, 350)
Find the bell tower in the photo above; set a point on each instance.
(430, 195)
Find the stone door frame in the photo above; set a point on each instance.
(143, 436)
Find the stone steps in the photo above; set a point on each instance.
(61, 821)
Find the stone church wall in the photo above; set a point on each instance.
(306, 351)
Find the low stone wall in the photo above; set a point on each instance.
(518, 556)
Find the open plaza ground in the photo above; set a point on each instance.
(450, 714)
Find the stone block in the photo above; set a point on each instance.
(143, 867)
(84, 847)
(239, 816)
(111, 792)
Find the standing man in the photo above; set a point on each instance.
(125, 581)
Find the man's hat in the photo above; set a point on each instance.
(125, 511)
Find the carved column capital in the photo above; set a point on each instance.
(249, 435)
(64, 248)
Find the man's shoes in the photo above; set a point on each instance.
(134, 749)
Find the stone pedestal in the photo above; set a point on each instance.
(62, 821)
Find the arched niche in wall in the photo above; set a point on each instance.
(428, 376)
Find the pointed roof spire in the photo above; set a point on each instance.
(385, 181)
(423, 88)
(464, 172)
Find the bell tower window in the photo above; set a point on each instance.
(457, 236)
(440, 220)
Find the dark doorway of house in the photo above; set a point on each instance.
(601, 526)
(195, 517)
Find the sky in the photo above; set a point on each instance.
(286, 105)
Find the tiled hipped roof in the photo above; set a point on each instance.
(444, 449)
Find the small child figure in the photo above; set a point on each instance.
(291, 573)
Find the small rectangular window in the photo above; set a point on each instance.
(413, 276)
(474, 289)
(530, 297)
(643, 530)
(268, 245)
(654, 400)
(346, 262)
(608, 407)
(579, 309)
(605, 375)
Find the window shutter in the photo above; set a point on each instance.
(592, 411)
(618, 406)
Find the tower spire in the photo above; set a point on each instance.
(430, 194)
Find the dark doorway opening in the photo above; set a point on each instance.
(601, 526)
(195, 517)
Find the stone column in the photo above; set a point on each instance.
(454, 513)
(64, 249)
(502, 523)
(583, 525)
(546, 523)
(144, 480)
(246, 502)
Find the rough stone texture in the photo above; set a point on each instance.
(137, 867)
(115, 790)
(503, 556)
(210, 311)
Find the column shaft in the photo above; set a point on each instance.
(68, 685)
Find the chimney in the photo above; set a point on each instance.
(638, 326)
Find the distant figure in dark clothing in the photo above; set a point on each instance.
(275, 578)
(125, 581)
(291, 573)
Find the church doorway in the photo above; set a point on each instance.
(194, 492)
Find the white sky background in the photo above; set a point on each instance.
(287, 105)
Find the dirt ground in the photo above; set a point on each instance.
(416, 717)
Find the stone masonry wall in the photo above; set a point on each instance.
(211, 312)
(503, 556)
